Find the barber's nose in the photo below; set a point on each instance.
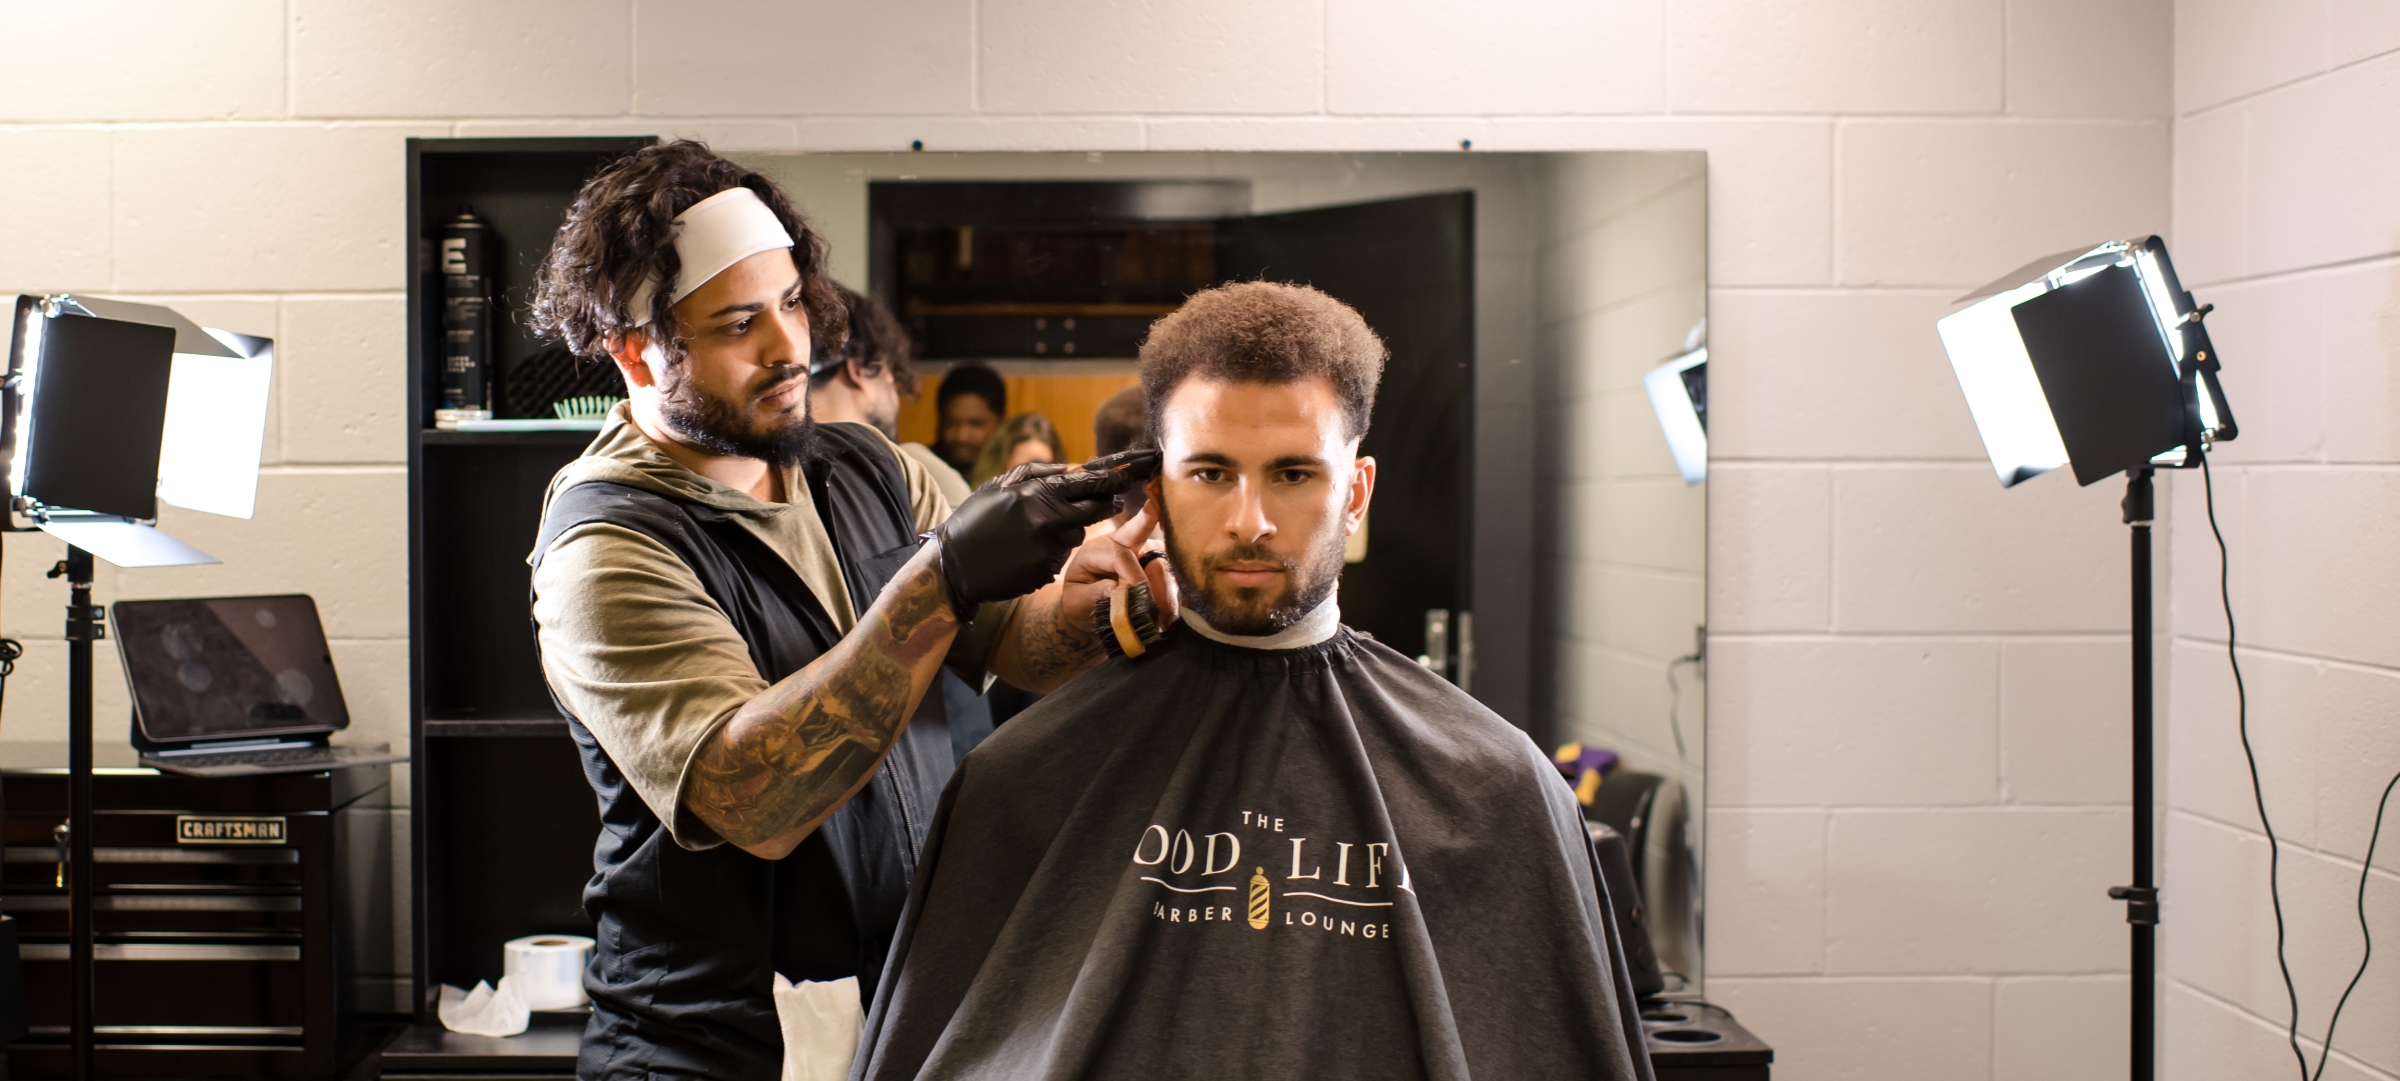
(1250, 524)
(787, 344)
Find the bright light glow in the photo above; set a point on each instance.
(216, 423)
(1676, 417)
(2069, 277)
(2003, 393)
(2170, 324)
(31, 360)
(2162, 306)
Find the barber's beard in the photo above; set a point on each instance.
(1306, 582)
(884, 416)
(721, 425)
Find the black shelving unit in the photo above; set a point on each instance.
(503, 821)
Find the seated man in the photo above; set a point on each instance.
(1268, 847)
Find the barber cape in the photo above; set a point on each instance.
(1219, 862)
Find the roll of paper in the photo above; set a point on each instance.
(546, 971)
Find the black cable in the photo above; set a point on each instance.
(10, 650)
(1675, 703)
(2368, 953)
(2258, 793)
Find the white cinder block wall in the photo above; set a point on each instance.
(2287, 214)
(1916, 677)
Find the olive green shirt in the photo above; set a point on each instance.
(634, 647)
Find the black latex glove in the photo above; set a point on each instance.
(1014, 534)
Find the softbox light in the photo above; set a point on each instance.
(2095, 358)
(2099, 358)
(1679, 395)
(112, 407)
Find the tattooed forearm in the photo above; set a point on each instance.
(1047, 645)
(796, 752)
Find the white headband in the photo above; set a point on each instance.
(715, 233)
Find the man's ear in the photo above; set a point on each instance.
(1362, 492)
(627, 351)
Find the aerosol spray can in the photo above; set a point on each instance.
(467, 250)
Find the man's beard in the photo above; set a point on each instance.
(722, 426)
(884, 416)
(1307, 581)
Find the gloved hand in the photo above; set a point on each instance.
(1012, 536)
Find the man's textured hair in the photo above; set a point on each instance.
(1264, 332)
(877, 341)
(1121, 422)
(620, 231)
(977, 380)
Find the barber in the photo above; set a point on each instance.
(737, 614)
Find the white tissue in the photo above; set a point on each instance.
(821, 1024)
(484, 1011)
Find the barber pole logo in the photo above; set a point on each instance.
(1258, 899)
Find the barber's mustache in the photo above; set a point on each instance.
(775, 379)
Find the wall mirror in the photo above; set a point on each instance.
(1532, 537)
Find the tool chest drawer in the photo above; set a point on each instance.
(220, 911)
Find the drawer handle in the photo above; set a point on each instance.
(28, 854)
(148, 952)
(178, 1030)
(155, 904)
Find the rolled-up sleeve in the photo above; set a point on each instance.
(636, 650)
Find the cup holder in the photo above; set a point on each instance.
(1686, 1035)
(1665, 1017)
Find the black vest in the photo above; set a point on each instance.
(689, 942)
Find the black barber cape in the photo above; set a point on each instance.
(1215, 862)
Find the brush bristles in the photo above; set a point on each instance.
(1141, 618)
(585, 407)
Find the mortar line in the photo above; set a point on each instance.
(2263, 91)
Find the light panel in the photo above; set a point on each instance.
(1681, 417)
(2103, 364)
(205, 402)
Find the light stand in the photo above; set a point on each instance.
(107, 409)
(84, 626)
(2099, 359)
(2141, 898)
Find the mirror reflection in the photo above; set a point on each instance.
(1531, 538)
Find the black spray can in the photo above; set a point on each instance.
(466, 261)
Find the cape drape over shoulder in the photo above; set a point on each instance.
(1218, 862)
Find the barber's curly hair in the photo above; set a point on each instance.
(1264, 332)
(877, 342)
(620, 232)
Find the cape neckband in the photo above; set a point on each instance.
(1317, 626)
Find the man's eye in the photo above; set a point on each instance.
(1208, 476)
(1294, 476)
(738, 328)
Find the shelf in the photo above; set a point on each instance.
(445, 437)
(550, 1044)
(522, 726)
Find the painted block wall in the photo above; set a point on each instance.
(2287, 164)
(1912, 819)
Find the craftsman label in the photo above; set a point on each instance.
(219, 830)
